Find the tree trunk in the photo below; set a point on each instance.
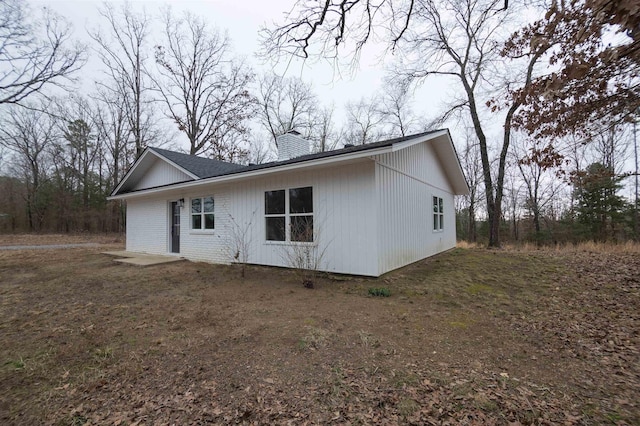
(493, 210)
(472, 221)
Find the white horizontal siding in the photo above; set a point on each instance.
(161, 173)
(406, 182)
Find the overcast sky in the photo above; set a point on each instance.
(243, 19)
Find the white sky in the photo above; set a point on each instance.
(243, 20)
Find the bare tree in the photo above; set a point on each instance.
(83, 146)
(28, 63)
(513, 196)
(261, 150)
(540, 189)
(464, 46)
(27, 133)
(113, 129)
(325, 134)
(118, 153)
(286, 104)
(396, 108)
(364, 121)
(122, 51)
(450, 38)
(203, 88)
(472, 167)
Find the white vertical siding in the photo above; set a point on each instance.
(147, 225)
(344, 202)
(406, 182)
(161, 173)
(344, 216)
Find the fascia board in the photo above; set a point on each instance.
(460, 184)
(459, 189)
(257, 173)
(130, 172)
(406, 144)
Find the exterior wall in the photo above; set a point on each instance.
(344, 217)
(147, 225)
(161, 173)
(406, 182)
(206, 245)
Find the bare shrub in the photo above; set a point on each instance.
(305, 253)
(240, 241)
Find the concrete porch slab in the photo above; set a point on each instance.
(142, 259)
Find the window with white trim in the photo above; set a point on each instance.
(202, 213)
(438, 214)
(289, 214)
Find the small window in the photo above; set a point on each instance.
(202, 213)
(275, 229)
(301, 200)
(438, 214)
(301, 211)
(274, 202)
(302, 228)
(274, 209)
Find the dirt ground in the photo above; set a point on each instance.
(472, 336)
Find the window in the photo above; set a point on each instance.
(274, 210)
(438, 214)
(292, 209)
(301, 211)
(202, 216)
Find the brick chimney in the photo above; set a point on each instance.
(291, 145)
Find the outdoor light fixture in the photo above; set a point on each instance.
(181, 202)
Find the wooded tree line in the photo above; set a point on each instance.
(544, 109)
(62, 152)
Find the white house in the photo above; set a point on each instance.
(371, 208)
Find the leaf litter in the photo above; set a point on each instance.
(472, 337)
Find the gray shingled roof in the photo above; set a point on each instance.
(205, 167)
(325, 154)
(201, 167)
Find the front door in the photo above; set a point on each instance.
(175, 227)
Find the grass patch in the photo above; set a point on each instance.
(368, 339)
(407, 406)
(475, 289)
(16, 364)
(315, 338)
(379, 292)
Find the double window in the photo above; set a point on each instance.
(202, 216)
(438, 214)
(289, 214)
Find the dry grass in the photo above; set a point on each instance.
(470, 336)
(46, 239)
(627, 247)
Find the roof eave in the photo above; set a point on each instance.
(139, 161)
(260, 172)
